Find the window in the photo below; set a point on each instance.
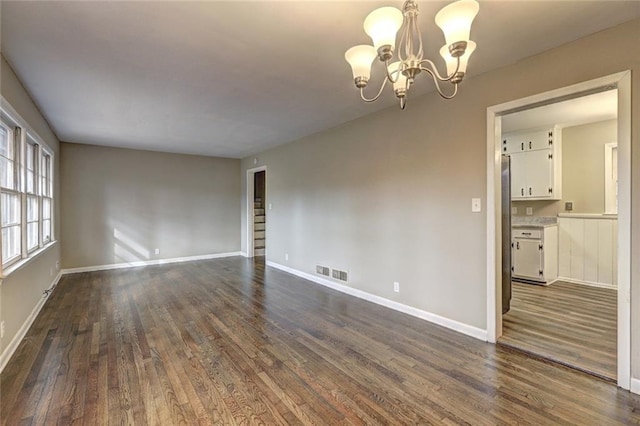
(26, 192)
(31, 172)
(611, 178)
(10, 202)
(47, 201)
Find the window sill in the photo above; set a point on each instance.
(21, 263)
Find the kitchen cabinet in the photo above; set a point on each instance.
(534, 254)
(529, 140)
(536, 169)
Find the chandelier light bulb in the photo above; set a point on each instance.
(382, 25)
(360, 58)
(453, 62)
(455, 20)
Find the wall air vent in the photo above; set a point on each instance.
(322, 270)
(339, 275)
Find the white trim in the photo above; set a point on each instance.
(249, 212)
(148, 262)
(624, 230)
(610, 186)
(22, 332)
(469, 330)
(587, 283)
(635, 386)
(622, 81)
(244, 254)
(13, 267)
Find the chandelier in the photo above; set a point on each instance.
(382, 25)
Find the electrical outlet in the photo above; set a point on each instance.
(2, 330)
(57, 265)
(529, 211)
(157, 251)
(514, 210)
(476, 205)
(396, 286)
(286, 256)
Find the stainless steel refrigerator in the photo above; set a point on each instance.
(506, 232)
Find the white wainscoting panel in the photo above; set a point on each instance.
(587, 252)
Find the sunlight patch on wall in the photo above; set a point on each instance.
(126, 249)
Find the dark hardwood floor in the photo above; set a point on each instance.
(569, 323)
(231, 342)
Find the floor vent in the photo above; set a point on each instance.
(339, 275)
(322, 270)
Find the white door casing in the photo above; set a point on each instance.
(621, 81)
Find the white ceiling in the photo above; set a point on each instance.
(234, 78)
(573, 112)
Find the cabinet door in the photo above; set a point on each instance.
(539, 174)
(518, 175)
(527, 258)
(539, 140)
(512, 142)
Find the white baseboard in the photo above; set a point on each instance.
(469, 330)
(635, 386)
(588, 283)
(148, 262)
(13, 345)
(244, 254)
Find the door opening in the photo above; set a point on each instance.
(619, 230)
(256, 212)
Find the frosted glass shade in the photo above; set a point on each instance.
(455, 20)
(360, 58)
(402, 79)
(382, 25)
(464, 59)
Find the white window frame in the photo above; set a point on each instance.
(42, 187)
(13, 135)
(610, 179)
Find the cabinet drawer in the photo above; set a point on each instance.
(527, 233)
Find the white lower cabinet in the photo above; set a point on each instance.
(534, 254)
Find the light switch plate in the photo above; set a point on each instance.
(529, 211)
(514, 210)
(476, 205)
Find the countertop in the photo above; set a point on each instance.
(589, 215)
(533, 225)
(533, 221)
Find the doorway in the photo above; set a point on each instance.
(257, 212)
(495, 115)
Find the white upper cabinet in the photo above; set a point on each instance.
(529, 140)
(536, 164)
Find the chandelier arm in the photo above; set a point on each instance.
(417, 31)
(401, 44)
(375, 98)
(435, 82)
(434, 71)
(397, 72)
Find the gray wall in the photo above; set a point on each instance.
(21, 291)
(388, 196)
(582, 170)
(119, 205)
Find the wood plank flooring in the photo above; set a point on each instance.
(229, 341)
(570, 323)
